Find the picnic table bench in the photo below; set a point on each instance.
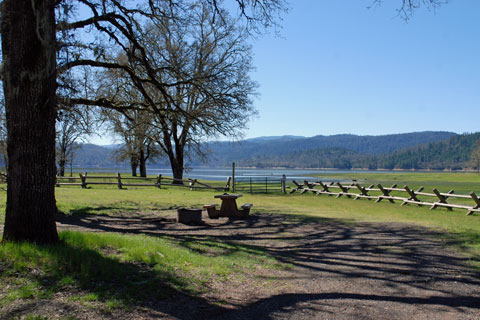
(228, 207)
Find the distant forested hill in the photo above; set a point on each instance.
(289, 149)
(418, 150)
(92, 155)
(452, 153)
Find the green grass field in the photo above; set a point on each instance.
(111, 200)
(444, 181)
(31, 272)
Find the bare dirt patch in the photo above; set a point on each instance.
(340, 271)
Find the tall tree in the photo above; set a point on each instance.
(29, 72)
(29, 81)
(218, 102)
(73, 123)
(207, 63)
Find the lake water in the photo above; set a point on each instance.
(221, 174)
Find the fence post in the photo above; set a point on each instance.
(324, 187)
(159, 181)
(477, 201)
(227, 186)
(233, 177)
(442, 199)
(119, 180)
(412, 195)
(83, 178)
(344, 190)
(386, 193)
(284, 183)
(297, 186)
(266, 185)
(192, 183)
(363, 192)
(306, 187)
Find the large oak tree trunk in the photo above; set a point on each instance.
(133, 165)
(62, 159)
(28, 44)
(143, 164)
(176, 162)
(177, 169)
(61, 169)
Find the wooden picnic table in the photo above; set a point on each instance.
(228, 207)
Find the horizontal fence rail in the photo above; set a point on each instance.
(84, 180)
(407, 195)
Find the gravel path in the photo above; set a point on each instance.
(340, 271)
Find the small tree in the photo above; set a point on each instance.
(72, 124)
(475, 156)
(133, 125)
(134, 132)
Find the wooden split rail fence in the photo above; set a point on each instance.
(385, 193)
(122, 182)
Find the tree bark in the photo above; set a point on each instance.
(5, 160)
(143, 164)
(177, 169)
(61, 170)
(176, 162)
(29, 47)
(176, 158)
(71, 167)
(134, 165)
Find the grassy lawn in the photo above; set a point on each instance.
(95, 263)
(120, 269)
(462, 183)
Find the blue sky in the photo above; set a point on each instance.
(343, 68)
(339, 67)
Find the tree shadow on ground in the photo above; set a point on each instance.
(338, 268)
(125, 284)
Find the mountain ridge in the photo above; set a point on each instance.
(425, 149)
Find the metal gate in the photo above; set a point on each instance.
(259, 184)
